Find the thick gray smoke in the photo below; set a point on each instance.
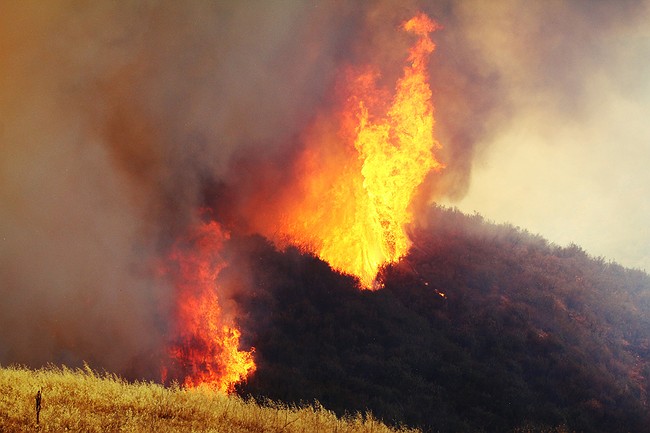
(115, 115)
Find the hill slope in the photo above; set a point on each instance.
(480, 328)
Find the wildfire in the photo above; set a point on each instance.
(361, 168)
(357, 176)
(206, 346)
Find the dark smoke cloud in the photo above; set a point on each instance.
(72, 227)
(119, 119)
(114, 116)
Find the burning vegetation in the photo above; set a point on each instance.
(205, 346)
(351, 205)
(310, 147)
(356, 186)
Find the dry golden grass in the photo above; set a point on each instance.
(83, 401)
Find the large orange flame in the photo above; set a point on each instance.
(357, 177)
(207, 344)
(361, 168)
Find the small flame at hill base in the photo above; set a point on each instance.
(206, 343)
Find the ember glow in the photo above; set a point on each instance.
(358, 177)
(206, 344)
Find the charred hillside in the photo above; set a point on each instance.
(481, 328)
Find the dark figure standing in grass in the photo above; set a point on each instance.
(38, 407)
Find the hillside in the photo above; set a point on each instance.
(82, 401)
(481, 328)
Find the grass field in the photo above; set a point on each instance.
(84, 401)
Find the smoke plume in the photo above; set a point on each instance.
(119, 120)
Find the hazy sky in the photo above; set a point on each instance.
(571, 160)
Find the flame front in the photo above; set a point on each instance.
(206, 345)
(357, 175)
(361, 168)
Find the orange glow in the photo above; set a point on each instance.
(206, 345)
(361, 168)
